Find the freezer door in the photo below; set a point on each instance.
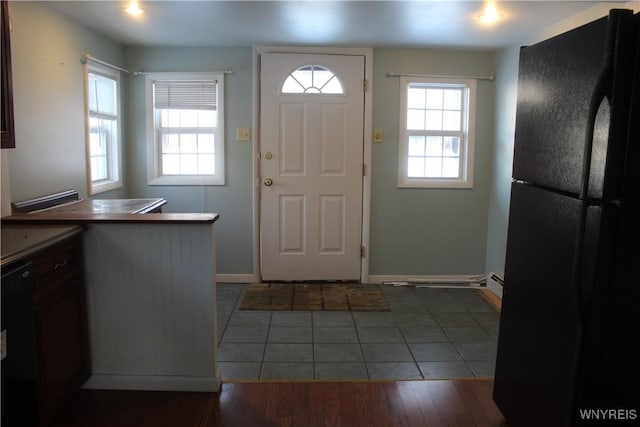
(567, 98)
(540, 331)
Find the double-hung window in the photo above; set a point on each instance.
(185, 133)
(103, 128)
(436, 133)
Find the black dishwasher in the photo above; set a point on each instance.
(19, 371)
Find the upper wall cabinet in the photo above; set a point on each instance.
(8, 135)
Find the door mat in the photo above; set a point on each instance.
(314, 297)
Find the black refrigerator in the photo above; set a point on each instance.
(570, 321)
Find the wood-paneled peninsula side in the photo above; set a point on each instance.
(151, 297)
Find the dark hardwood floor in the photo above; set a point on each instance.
(265, 404)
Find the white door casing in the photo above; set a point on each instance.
(311, 147)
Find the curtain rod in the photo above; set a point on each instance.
(86, 58)
(490, 78)
(142, 73)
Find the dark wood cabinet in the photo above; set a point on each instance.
(61, 326)
(7, 127)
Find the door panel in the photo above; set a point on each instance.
(292, 224)
(332, 232)
(312, 151)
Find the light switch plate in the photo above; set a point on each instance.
(243, 134)
(377, 135)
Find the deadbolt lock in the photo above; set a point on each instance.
(268, 182)
(268, 155)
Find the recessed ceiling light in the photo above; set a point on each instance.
(490, 14)
(134, 9)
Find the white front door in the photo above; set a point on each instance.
(311, 166)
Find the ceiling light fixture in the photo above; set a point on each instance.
(490, 13)
(134, 9)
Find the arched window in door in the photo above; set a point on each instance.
(314, 79)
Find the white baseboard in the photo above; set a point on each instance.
(425, 278)
(237, 278)
(494, 285)
(153, 383)
(491, 284)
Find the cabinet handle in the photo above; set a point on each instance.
(62, 264)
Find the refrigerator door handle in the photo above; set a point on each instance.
(601, 93)
(597, 253)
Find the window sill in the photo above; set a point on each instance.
(193, 180)
(434, 184)
(104, 186)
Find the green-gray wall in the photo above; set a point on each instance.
(506, 91)
(234, 200)
(413, 231)
(48, 90)
(428, 231)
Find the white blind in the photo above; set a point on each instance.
(186, 95)
(102, 95)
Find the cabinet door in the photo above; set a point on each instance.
(63, 347)
(7, 129)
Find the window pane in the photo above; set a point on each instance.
(303, 75)
(207, 118)
(189, 164)
(96, 145)
(333, 86)
(415, 119)
(415, 167)
(433, 167)
(102, 94)
(451, 120)
(416, 145)
(170, 143)
(321, 77)
(206, 143)
(453, 99)
(291, 85)
(434, 98)
(188, 143)
(416, 98)
(188, 118)
(171, 164)
(173, 119)
(434, 120)
(206, 164)
(450, 167)
(434, 146)
(451, 146)
(98, 168)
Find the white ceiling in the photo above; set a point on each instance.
(434, 23)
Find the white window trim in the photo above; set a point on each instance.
(116, 159)
(154, 177)
(404, 181)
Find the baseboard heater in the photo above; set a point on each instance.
(471, 282)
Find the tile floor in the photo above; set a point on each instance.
(429, 333)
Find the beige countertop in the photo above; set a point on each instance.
(19, 241)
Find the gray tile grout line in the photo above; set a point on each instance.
(364, 362)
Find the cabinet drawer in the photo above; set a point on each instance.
(58, 263)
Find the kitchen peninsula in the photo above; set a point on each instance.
(151, 297)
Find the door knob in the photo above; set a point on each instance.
(268, 182)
